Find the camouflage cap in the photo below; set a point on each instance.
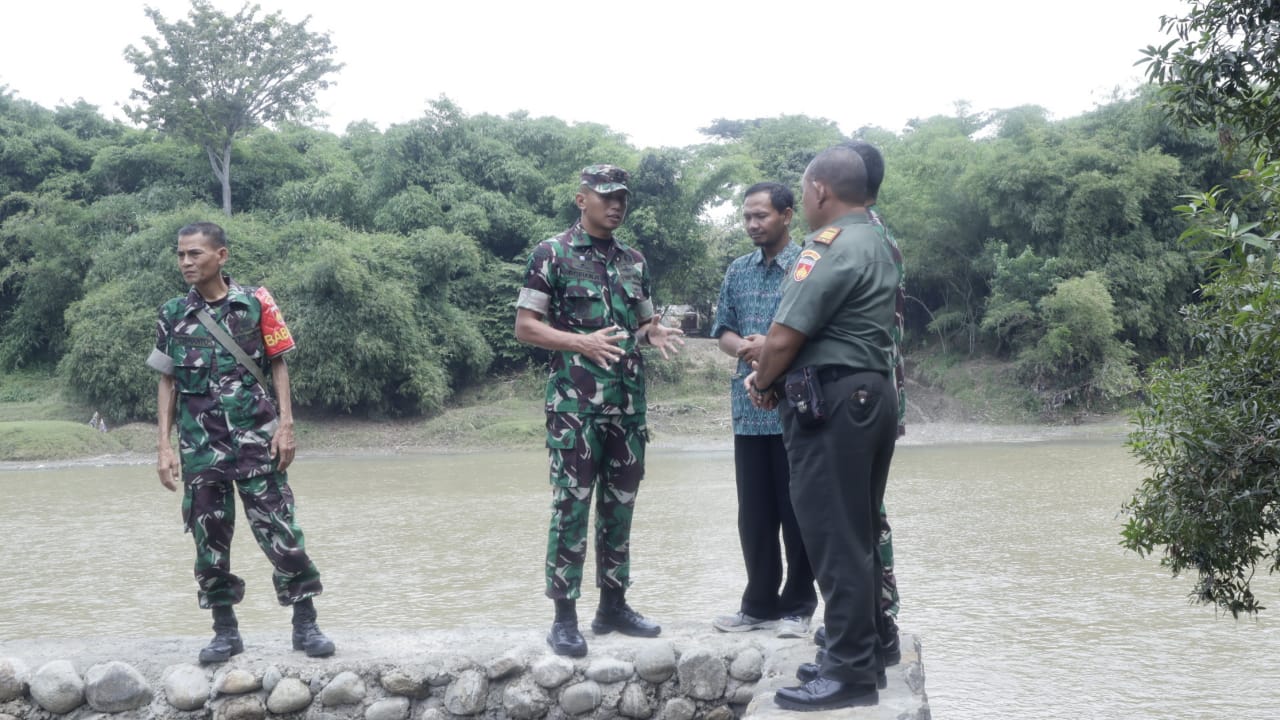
(605, 179)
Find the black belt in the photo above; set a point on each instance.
(831, 373)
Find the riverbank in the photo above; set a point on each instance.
(688, 409)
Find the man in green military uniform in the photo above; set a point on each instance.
(829, 356)
(213, 350)
(588, 298)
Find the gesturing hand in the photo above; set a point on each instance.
(601, 346)
(666, 339)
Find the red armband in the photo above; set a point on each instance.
(275, 334)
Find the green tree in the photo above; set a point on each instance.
(215, 77)
(1208, 433)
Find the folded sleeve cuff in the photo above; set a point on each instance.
(534, 300)
(160, 362)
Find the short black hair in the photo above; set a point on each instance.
(874, 162)
(780, 195)
(842, 169)
(213, 231)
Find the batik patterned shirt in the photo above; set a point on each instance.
(748, 298)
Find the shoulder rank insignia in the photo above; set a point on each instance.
(826, 236)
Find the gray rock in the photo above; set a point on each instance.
(271, 678)
(467, 694)
(679, 709)
(345, 689)
(581, 697)
(115, 687)
(288, 696)
(552, 671)
(57, 687)
(237, 681)
(742, 694)
(748, 666)
(6, 716)
(239, 707)
(388, 709)
(431, 713)
(408, 682)
(719, 713)
(635, 702)
(13, 679)
(524, 700)
(186, 687)
(656, 662)
(609, 670)
(502, 667)
(438, 676)
(702, 674)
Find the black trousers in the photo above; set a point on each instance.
(838, 475)
(764, 509)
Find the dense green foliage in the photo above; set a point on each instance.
(1208, 431)
(397, 254)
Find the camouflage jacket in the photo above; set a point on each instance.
(579, 288)
(225, 417)
(900, 313)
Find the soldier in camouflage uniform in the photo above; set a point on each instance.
(588, 298)
(233, 438)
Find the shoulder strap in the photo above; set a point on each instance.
(231, 345)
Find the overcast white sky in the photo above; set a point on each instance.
(655, 70)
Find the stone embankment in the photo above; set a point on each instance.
(690, 672)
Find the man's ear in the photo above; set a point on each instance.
(820, 192)
(787, 215)
(580, 200)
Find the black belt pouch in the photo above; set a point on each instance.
(803, 391)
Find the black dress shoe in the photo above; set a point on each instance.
(622, 618)
(565, 639)
(825, 694)
(820, 637)
(808, 672)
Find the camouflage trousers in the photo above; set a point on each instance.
(209, 513)
(889, 599)
(586, 452)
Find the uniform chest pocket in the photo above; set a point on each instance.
(193, 373)
(584, 307)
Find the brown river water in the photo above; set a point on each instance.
(1006, 539)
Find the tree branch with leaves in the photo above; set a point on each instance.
(212, 77)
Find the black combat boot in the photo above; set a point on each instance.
(306, 633)
(890, 646)
(564, 638)
(615, 614)
(226, 636)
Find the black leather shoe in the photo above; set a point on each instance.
(820, 637)
(808, 672)
(565, 639)
(824, 694)
(622, 618)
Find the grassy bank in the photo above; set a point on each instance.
(687, 399)
(688, 405)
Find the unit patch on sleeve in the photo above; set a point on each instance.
(804, 265)
(826, 236)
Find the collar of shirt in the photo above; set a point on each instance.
(235, 294)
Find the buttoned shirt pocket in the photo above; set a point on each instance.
(584, 307)
(193, 370)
